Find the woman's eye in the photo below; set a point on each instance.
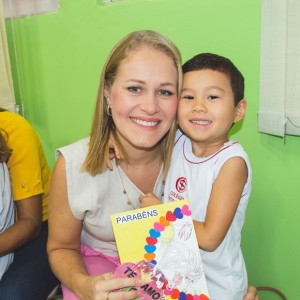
(188, 97)
(165, 93)
(134, 89)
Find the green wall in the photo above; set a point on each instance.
(60, 57)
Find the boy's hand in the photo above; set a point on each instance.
(111, 156)
(251, 293)
(113, 152)
(149, 199)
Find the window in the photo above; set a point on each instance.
(7, 98)
(279, 104)
(12, 9)
(21, 8)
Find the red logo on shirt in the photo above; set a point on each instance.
(181, 184)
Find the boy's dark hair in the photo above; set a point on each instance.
(221, 64)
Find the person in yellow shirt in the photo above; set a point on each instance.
(29, 276)
(6, 200)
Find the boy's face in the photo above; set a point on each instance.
(206, 109)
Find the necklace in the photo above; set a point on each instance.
(129, 202)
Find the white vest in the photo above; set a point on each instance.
(94, 198)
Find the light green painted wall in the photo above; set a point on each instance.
(60, 58)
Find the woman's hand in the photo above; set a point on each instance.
(104, 287)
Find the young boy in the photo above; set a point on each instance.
(211, 171)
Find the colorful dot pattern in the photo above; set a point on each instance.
(152, 239)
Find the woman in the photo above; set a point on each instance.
(137, 103)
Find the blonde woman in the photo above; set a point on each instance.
(137, 103)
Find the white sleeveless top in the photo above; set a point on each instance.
(94, 198)
(6, 213)
(191, 177)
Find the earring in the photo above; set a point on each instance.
(108, 110)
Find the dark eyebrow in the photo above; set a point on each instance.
(215, 87)
(184, 90)
(207, 88)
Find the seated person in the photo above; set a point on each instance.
(29, 276)
(6, 202)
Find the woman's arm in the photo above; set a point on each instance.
(224, 200)
(27, 226)
(64, 247)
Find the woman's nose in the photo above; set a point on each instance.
(150, 104)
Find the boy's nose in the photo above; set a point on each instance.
(200, 106)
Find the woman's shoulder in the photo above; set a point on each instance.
(77, 149)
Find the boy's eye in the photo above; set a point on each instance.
(134, 89)
(165, 93)
(188, 97)
(212, 97)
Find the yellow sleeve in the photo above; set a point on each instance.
(29, 171)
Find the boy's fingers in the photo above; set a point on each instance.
(109, 165)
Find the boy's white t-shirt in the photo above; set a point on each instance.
(191, 177)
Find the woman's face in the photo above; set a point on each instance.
(143, 97)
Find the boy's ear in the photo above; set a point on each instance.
(240, 110)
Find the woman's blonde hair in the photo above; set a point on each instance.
(103, 124)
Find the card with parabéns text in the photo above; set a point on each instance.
(164, 236)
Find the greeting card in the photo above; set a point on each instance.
(163, 237)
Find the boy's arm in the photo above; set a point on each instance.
(224, 200)
(149, 199)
